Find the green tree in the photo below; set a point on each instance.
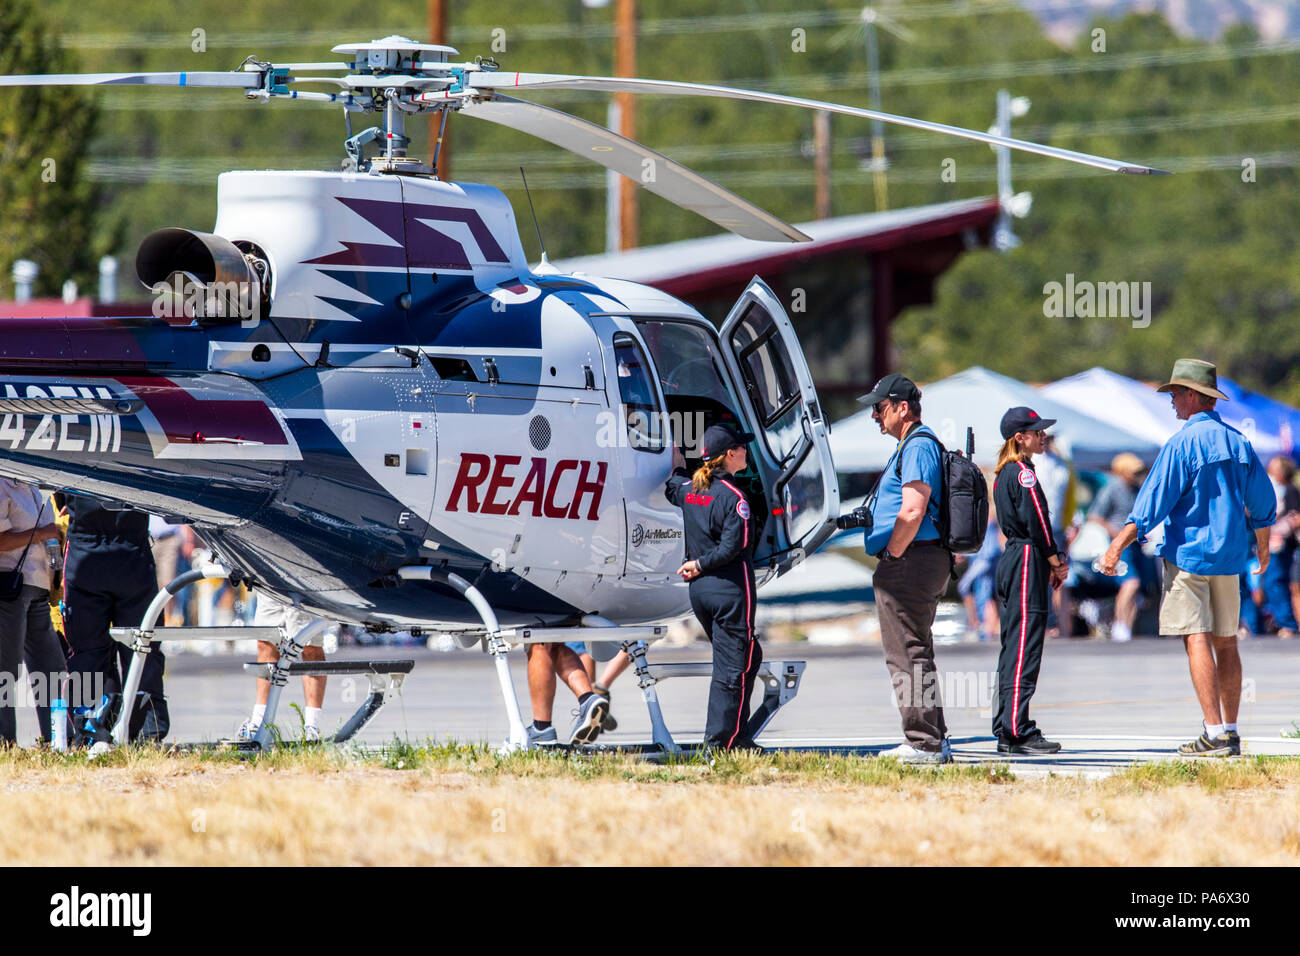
(48, 203)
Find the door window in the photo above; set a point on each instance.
(639, 406)
(770, 381)
(763, 354)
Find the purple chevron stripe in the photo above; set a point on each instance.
(417, 233)
(362, 254)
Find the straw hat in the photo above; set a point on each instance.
(1127, 464)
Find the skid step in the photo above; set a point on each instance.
(326, 668)
(780, 680)
(128, 635)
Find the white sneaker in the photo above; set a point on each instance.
(310, 734)
(99, 748)
(906, 753)
(248, 729)
(1090, 612)
(1120, 633)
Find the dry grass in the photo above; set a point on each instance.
(449, 805)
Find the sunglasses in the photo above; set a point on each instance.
(880, 406)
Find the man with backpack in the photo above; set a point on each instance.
(904, 533)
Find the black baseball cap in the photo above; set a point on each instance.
(900, 388)
(719, 439)
(1024, 419)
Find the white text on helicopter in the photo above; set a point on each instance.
(105, 430)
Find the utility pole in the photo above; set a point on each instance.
(822, 164)
(625, 66)
(878, 163)
(437, 128)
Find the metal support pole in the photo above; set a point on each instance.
(144, 638)
(290, 651)
(395, 129)
(646, 681)
(496, 646)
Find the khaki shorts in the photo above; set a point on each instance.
(271, 613)
(1199, 603)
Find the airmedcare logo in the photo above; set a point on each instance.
(640, 534)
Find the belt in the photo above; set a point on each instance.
(1020, 542)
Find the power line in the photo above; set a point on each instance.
(206, 170)
(159, 100)
(129, 168)
(729, 23)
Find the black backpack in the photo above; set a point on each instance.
(964, 498)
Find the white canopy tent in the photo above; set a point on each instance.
(1121, 401)
(978, 398)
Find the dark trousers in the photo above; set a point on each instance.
(1277, 588)
(26, 637)
(112, 584)
(725, 609)
(907, 594)
(1024, 586)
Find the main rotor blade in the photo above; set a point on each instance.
(239, 80)
(608, 84)
(639, 163)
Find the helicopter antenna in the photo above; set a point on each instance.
(529, 194)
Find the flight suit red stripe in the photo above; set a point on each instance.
(1024, 625)
(749, 618)
(1047, 532)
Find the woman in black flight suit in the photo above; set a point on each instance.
(1032, 564)
(719, 566)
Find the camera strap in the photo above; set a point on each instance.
(875, 489)
(23, 558)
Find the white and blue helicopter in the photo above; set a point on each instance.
(369, 405)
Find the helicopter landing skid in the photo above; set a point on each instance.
(497, 642)
(385, 676)
(385, 679)
(780, 685)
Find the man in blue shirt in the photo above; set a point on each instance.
(1209, 491)
(914, 568)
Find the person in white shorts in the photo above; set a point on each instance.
(272, 613)
(1210, 491)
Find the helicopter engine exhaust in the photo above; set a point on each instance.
(198, 275)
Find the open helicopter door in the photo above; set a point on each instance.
(791, 450)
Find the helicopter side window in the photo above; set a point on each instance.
(636, 390)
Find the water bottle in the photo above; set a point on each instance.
(1121, 567)
(59, 723)
(54, 555)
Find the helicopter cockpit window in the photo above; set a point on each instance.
(693, 378)
(636, 390)
(687, 359)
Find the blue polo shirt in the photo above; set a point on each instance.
(920, 462)
(1209, 490)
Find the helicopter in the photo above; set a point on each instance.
(369, 405)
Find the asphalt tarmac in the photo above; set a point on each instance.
(1110, 705)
